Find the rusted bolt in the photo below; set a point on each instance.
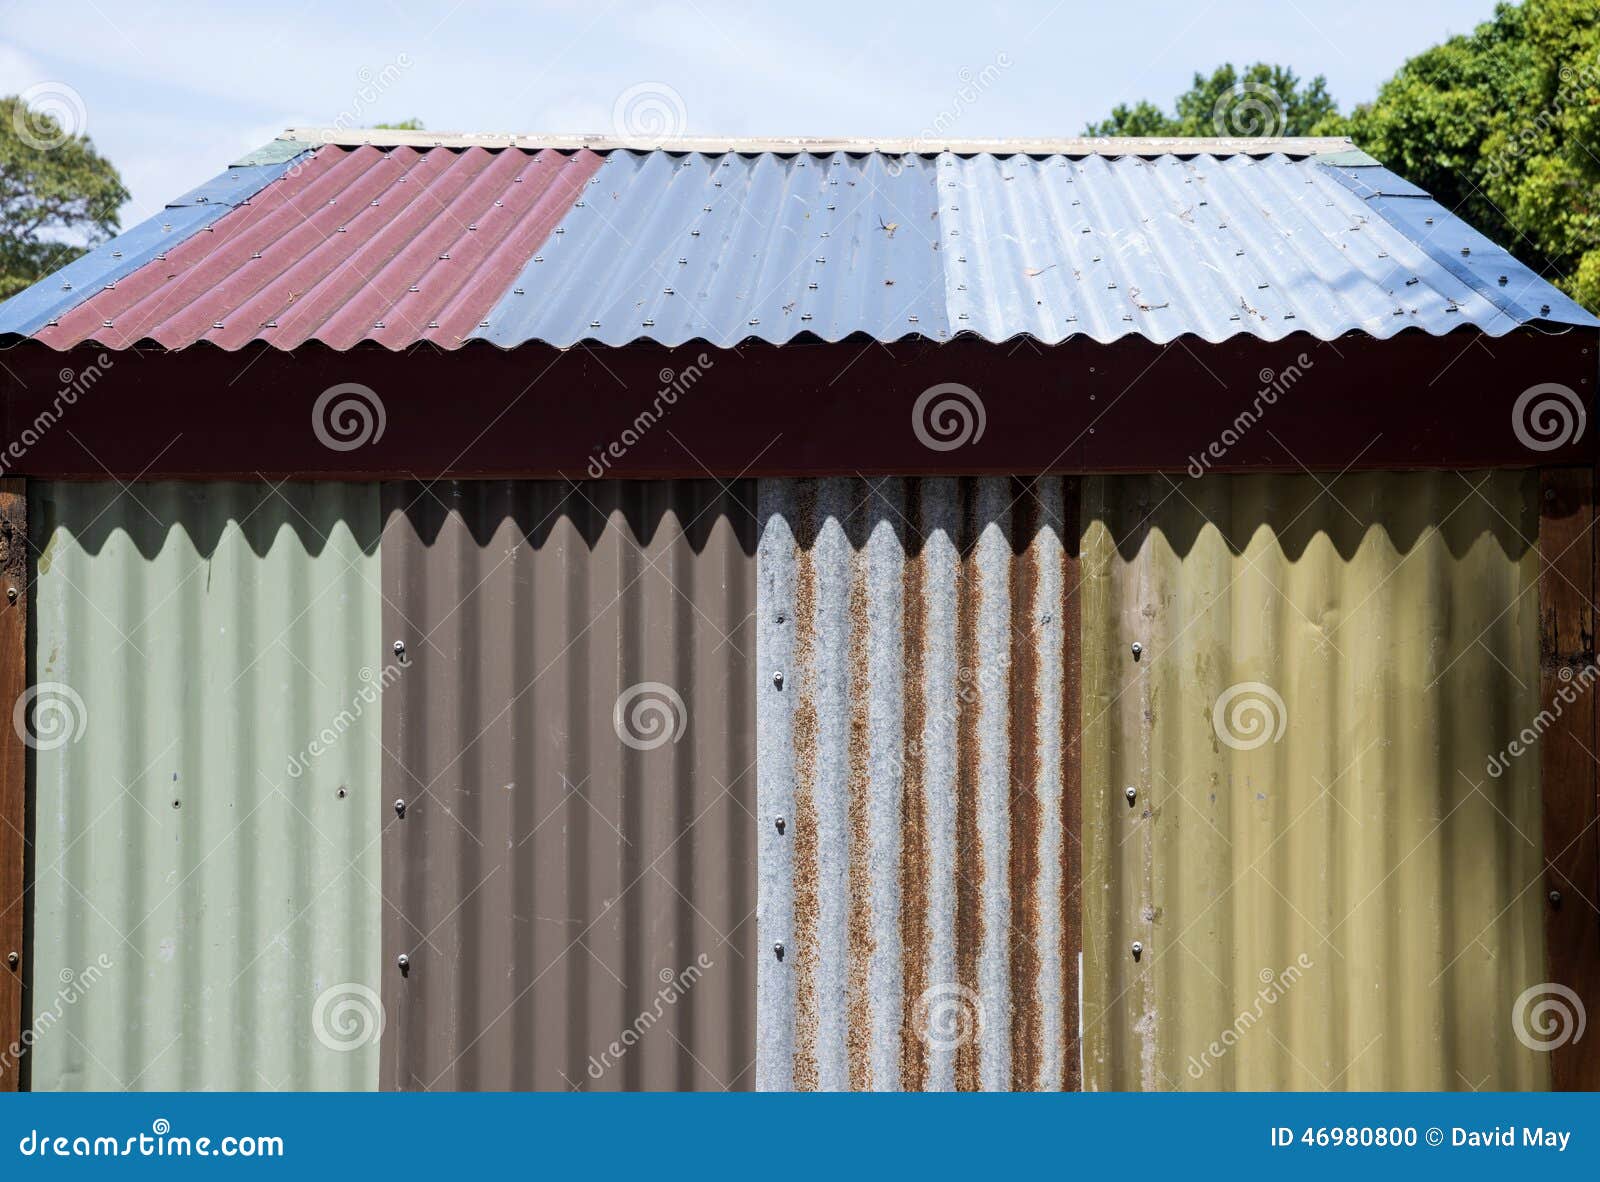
(777, 679)
(1138, 950)
(777, 950)
(1132, 794)
(781, 824)
(399, 808)
(1138, 650)
(1555, 898)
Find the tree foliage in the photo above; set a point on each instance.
(1262, 100)
(54, 188)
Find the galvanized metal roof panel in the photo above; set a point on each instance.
(730, 248)
(447, 244)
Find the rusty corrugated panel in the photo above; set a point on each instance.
(572, 874)
(913, 767)
(204, 709)
(393, 246)
(1332, 860)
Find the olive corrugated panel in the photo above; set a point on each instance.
(1312, 855)
(569, 851)
(204, 715)
(913, 770)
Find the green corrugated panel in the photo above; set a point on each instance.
(1330, 888)
(199, 638)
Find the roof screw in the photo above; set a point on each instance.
(1138, 950)
(1138, 650)
(1131, 793)
(400, 649)
(1465, 251)
(399, 808)
(1555, 898)
(11, 594)
(777, 950)
(13, 959)
(1429, 221)
(342, 792)
(403, 962)
(1544, 309)
(781, 824)
(777, 679)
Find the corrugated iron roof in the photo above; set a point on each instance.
(451, 243)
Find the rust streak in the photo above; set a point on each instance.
(858, 1034)
(1071, 784)
(969, 843)
(1025, 635)
(914, 837)
(806, 901)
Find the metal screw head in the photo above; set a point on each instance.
(11, 594)
(780, 823)
(13, 959)
(777, 679)
(399, 648)
(1555, 898)
(403, 962)
(1131, 793)
(777, 950)
(399, 808)
(1138, 650)
(1138, 949)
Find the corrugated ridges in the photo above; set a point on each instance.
(392, 246)
(1325, 674)
(911, 735)
(193, 643)
(731, 248)
(573, 874)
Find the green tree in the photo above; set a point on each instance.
(1262, 100)
(412, 124)
(1503, 127)
(53, 186)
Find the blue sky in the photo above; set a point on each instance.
(173, 92)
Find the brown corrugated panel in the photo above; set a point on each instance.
(571, 878)
(1331, 859)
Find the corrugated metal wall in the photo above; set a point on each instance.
(915, 785)
(572, 875)
(207, 775)
(1329, 887)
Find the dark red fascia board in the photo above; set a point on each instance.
(646, 411)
